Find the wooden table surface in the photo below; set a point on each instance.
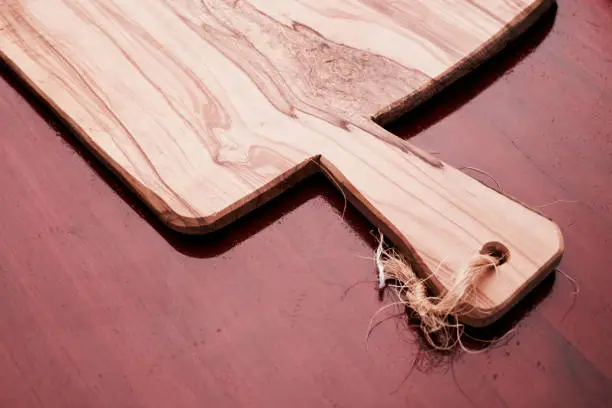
(104, 307)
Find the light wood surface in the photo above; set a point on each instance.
(209, 109)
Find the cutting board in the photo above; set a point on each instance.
(207, 109)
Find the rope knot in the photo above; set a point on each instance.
(436, 313)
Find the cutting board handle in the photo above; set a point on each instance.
(441, 218)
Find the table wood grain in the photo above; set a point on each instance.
(273, 311)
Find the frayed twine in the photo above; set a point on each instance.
(438, 315)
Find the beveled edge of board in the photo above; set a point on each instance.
(494, 45)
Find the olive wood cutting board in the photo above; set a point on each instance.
(207, 109)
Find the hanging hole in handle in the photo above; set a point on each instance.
(497, 250)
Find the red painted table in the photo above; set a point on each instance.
(104, 307)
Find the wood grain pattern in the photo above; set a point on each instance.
(208, 109)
